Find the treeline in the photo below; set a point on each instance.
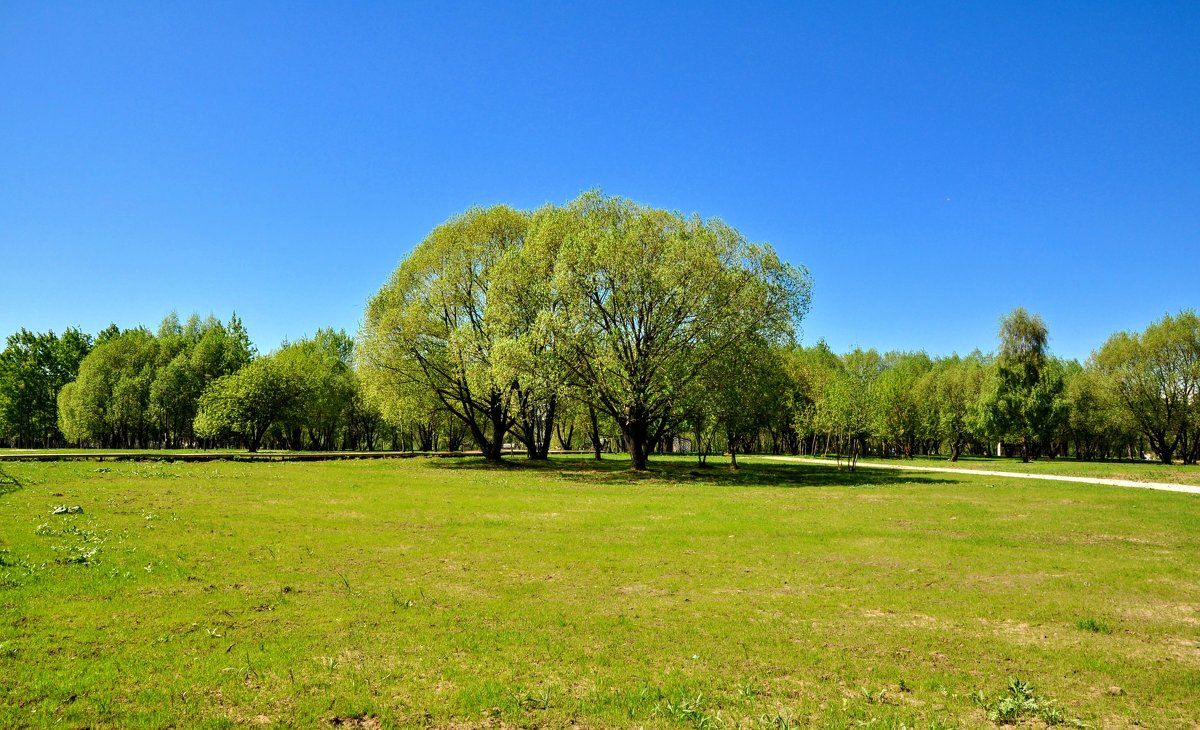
(1137, 397)
(662, 332)
(606, 325)
(193, 384)
(199, 384)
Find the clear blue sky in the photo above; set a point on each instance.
(933, 165)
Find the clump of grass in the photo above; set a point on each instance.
(1020, 700)
(689, 710)
(778, 721)
(534, 700)
(876, 698)
(19, 570)
(1093, 625)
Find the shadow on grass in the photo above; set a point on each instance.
(675, 471)
(8, 483)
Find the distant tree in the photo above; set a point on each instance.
(250, 401)
(958, 388)
(847, 402)
(897, 401)
(1155, 376)
(363, 420)
(814, 370)
(1093, 421)
(109, 403)
(137, 388)
(748, 385)
(33, 370)
(571, 427)
(1025, 388)
(735, 398)
(323, 364)
(106, 334)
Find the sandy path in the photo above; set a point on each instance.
(1187, 488)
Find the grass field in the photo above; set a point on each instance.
(444, 593)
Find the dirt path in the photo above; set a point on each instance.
(1189, 489)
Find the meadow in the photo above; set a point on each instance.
(447, 593)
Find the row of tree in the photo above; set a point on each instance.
(605, 324)
(1138, 396)
(191, 384)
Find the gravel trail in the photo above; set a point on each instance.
(1162, 486)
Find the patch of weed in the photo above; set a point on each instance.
(1093, 625)
(689, 710)
(1019, 701)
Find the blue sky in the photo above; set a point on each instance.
(933, 165)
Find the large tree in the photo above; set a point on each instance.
(1024, 398)
(645, 299)
(1155, 375)
(427, 327)
(109, 403)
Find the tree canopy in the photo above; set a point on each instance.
(500, 312)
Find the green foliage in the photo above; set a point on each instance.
(1155, 376)
(957, 390)
(900, 401)
(33, 370)
(138, 388)
(323, 367)
(644, 300)
(502, 314)
(605, 322)
(1023, 398)
(267, 391)
(428, 331)
(736, 395)
(109, 402)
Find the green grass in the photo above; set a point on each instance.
(446, 593)
(1147, 471)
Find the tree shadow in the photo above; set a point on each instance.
(675, 472)
(8, 483)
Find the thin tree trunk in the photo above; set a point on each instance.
(595, 419)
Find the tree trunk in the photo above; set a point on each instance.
(637, 437)
(637, 454)
(595, 419)
(565, 442)
(548, 428)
